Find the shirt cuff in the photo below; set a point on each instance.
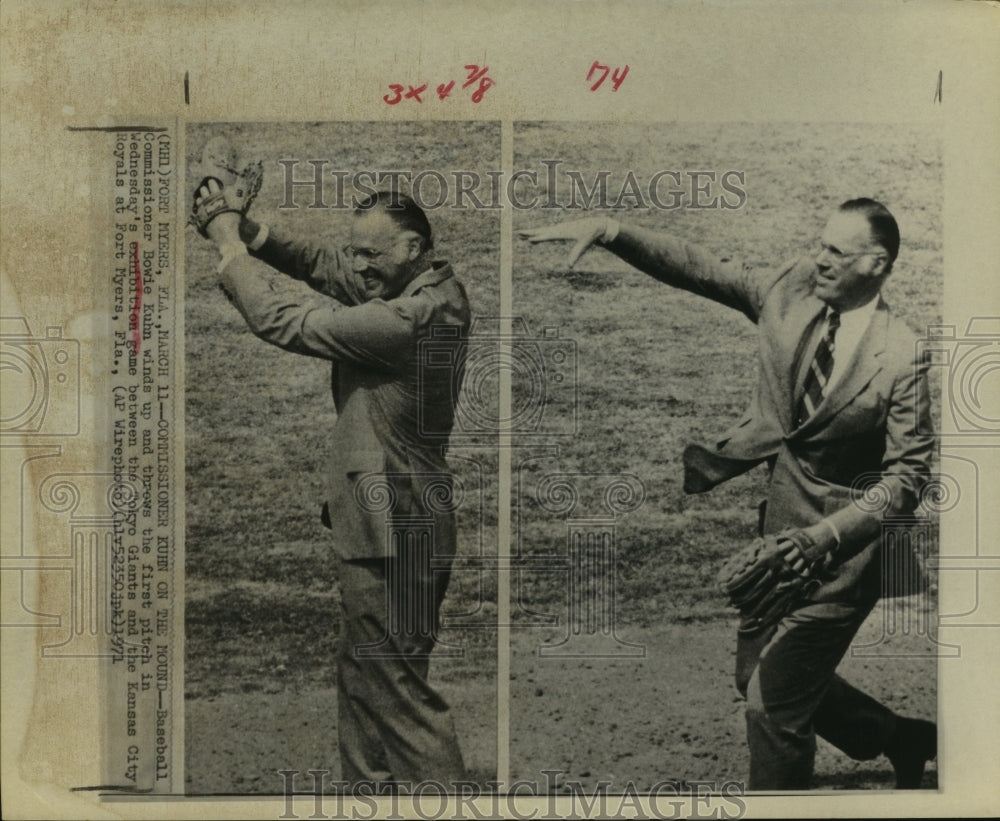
(611, 229)
(258, 241)
(833, 527)
(229, 251)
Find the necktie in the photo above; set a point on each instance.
(819, 371)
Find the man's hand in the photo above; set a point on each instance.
(774, 574)
(224, 226)
(223, 187)
(583, 233)
(817, 542)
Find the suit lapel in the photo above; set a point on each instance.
(861, 368)
(438, 272)
(785, 351)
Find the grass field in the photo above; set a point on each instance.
(261, 594)
(658, 369)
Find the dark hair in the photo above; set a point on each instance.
(402, 209)
(883, 225)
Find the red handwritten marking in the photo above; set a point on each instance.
(135, 316)
(474, 74)
(415, 93)
(396, 87)
(617, 76)
(598, 67)
(485, 83)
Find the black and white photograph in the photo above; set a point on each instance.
(748, 307)
(340, 601)
(475, 410)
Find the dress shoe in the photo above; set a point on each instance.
(913, 744)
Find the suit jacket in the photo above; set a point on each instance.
(387, 465)
(866, 451)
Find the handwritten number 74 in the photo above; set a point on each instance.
(602, 71)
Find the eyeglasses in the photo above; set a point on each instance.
(367, 254)
(842, 256)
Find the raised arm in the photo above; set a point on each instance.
(374, 334)
(377, 334)
(323, 269)
(665, 258)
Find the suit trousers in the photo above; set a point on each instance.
(394, 727)
(788, 675)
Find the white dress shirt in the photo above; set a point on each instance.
(853, 324)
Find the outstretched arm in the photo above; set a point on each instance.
(582, 233)
(665, 258)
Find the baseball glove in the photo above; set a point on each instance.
(770, 576)
(238, 188)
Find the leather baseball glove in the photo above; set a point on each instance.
(239, 188)
(772, 575)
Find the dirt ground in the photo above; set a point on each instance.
(237, 742)
(675, 714)
(672, 714)
(651, 374)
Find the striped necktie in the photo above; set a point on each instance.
(819, 371)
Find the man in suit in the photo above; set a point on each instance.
(839, 414)
(389, 492)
